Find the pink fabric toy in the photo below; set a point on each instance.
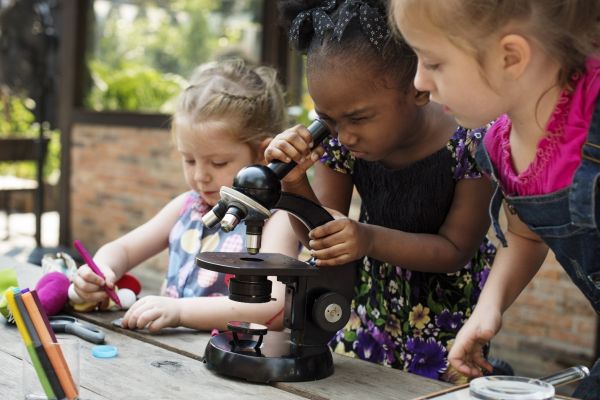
(52, 290)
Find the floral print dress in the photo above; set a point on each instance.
(402, 318)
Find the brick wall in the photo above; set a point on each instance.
(120, 178)
(551, 326)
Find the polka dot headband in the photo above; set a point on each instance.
(372, 23)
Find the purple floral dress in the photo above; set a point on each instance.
(188, 237)
(402, 318)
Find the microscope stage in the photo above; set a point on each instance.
(269, 264)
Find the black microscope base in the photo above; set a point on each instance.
(277, 359)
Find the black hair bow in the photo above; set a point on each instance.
(372, 22)
(320, 19)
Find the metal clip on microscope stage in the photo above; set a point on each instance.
(317, 301)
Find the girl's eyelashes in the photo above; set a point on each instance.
(324, 117)
(214, 163)
(426, 64)
(358, 119)
(187, 158)
(431, 67)
(354, 119)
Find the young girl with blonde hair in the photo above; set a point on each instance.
(223, 122)
(534, 65)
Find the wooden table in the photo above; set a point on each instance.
(132, 374)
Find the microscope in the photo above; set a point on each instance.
(317, 300)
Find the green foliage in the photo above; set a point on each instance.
(16, 118)
(304, 112)
(140, 53)
(52, 166)
(131, 87)
(18, 121)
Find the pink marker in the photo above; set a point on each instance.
(90, 262)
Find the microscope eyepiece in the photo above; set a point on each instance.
(318, 131)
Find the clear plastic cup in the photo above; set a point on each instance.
(69, 377)
(510, 388)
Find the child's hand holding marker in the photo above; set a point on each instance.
(91, 278)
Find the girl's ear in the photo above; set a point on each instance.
(260, 150)
(516, 55)
(421, 98)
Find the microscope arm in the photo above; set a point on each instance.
(312, 214)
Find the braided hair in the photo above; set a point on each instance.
(353, 29)
(240, 94)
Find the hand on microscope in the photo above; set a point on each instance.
(294, 144)
(340, 241)
(337, 242)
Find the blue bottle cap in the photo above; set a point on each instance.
(104, 351)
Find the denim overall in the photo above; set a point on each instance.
(568, 222)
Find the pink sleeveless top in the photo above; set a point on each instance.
(559, 153)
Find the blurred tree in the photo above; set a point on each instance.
(28, 50)
(131, 87)
(140, 51)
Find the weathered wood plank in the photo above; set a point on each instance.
(187, 342)
(140, 371)
(358, 379)
(21, 149)
(353, 379)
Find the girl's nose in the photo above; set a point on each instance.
(346, 137)
(201, 174)
(421, 82)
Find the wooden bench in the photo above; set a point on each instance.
(17, 150)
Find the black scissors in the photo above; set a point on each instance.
(68, 324)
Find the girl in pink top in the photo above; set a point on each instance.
(558, 154)
(533, 63)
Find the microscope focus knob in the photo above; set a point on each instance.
(331, 311)
(250, 288)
